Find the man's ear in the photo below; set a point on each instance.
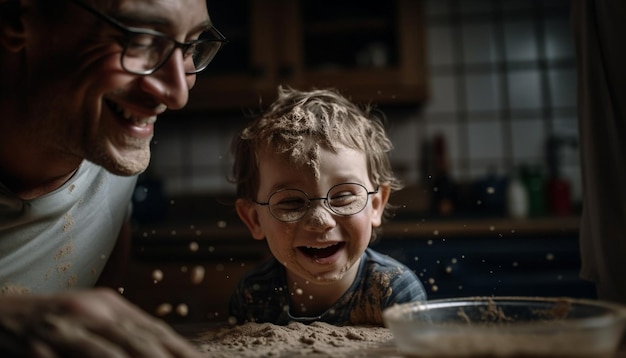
(248, 213)
(12, 34)
(379, 201)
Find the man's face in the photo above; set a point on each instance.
(82, 103)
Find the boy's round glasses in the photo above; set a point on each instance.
(145, 51)
(289, 205)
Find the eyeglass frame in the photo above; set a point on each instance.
(133, 31)
(309, 200)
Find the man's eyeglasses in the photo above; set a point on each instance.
(289, 205)
(145, 51)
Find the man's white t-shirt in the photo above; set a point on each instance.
(62, 240)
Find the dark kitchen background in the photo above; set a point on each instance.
(480, 100)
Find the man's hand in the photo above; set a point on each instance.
(95, 323)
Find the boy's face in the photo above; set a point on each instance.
(322, 246)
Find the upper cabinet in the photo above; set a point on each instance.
(370, 51)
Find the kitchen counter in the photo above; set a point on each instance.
(481, 227)
(228, 238)
(228, 230)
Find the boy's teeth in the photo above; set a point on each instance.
(319, 248)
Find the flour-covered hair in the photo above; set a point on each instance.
(299, 123)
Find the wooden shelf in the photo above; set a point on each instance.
(490, 227)
(282, 46)
(405, 229)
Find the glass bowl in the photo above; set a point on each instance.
(507, 327)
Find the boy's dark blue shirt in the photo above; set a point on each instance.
(262, 295)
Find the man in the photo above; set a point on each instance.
(81, 85)
(602, 107)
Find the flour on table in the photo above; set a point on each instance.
(269, 340)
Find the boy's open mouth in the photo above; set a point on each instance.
(321, 253)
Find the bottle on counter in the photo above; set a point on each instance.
(559, 197)
(535, 183)
(558, 187)
(516, 198)
(488, 195)
(443, 200)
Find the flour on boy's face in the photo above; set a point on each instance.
(322, 246)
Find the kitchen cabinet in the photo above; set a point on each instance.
(373, 52)
(484, 257)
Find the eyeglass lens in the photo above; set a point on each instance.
(144, 52)
(343, 199)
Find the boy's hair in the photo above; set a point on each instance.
(298, 124)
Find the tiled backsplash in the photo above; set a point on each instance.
(502, 81)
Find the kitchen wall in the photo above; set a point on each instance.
(502, 81)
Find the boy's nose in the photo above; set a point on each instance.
(319, 217)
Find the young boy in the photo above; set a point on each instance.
(313, 179)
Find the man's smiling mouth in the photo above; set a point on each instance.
(323, 252)
(140, 121)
